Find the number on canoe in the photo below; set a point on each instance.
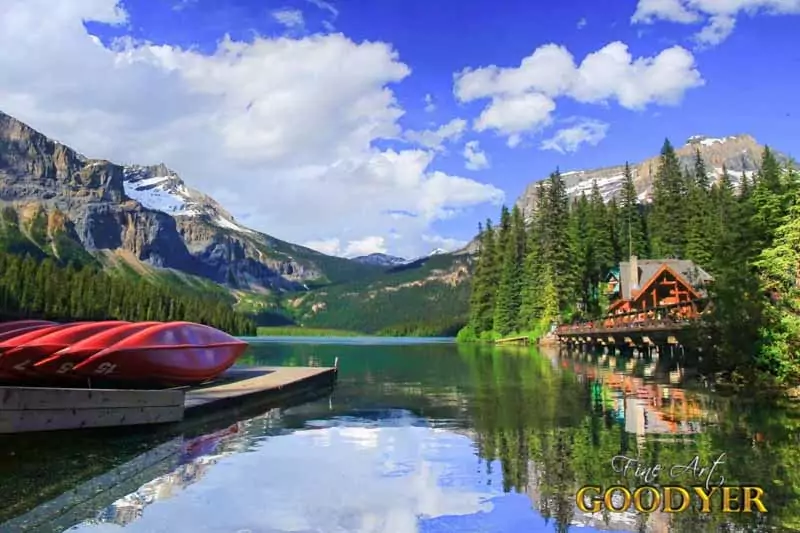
(105, 368)
(22, 366)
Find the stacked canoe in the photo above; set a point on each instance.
(165, 354)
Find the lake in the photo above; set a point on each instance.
(419, 436)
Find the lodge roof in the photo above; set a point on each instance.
(692, 274)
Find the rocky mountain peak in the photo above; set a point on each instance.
(739, 154)
(138, 214)
(379, 259)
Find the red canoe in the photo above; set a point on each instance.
(20, 359)
(13, 340)
(17, 324)
(6, 335)
(173, 353)
(60, 364)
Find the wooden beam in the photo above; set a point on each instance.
(24, 420)
(34, 398)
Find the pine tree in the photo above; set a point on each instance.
(699, 235)
(779, 268)
(531, 307)
(556, 243)
(769, 200)
(667, 223)
(508, 297)
(632, 236)
(483, 285)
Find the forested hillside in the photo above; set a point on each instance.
(43, 288)
(531, 273)
(428, 297)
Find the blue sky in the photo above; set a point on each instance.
(310, 124)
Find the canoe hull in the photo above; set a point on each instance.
(17, 324)
(119, 353)
(59, 365)
(166, 366)
(20, 360)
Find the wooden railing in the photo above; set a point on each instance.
(666, 317)
(606, 325)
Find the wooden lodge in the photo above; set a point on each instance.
(652, 302)
(649, 289)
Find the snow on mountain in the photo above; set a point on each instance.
(608, 185)
(160, 189)
(379, 259)
(708, 141)
(739, 154)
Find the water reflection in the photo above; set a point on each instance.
(557, 431)
(439, 438)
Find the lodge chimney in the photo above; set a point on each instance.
(634, 274)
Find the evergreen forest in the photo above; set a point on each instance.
(43, 288)
(545, 267)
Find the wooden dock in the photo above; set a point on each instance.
(24, 409)
(28, 409)
(239, 385)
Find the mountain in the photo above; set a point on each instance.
(427, 296)
(145, 221)
(379, 259)
(55, 201)
(738, 153)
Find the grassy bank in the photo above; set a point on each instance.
(297, 331)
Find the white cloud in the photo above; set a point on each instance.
(523, 97)
(475, 157)
(586, 131)
(372, 244)
(444, 243)
(648, 11)
(582, 23)
(430, 106)
(180, 5)
(281, 129)
(291, 18)
(452, 131)
(718, 16)
(331, 246)
(326, 6)
(511, 115)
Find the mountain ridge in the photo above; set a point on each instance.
(740, 154)
(104, 207)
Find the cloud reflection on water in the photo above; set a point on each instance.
(344, 478)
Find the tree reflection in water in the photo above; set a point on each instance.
(555, 430)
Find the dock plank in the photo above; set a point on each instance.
(20, 421)
(241, 383)
(21, 398)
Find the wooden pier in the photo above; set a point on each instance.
(28, 409)
(639, 334)
(244, 384)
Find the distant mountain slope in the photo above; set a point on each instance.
(379, 259)
(57, 202)
(739, 153)
(429, 291)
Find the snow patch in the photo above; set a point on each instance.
(225, 223)
(160, 193)
(147, 193)
(708, 141)
(608, 186)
